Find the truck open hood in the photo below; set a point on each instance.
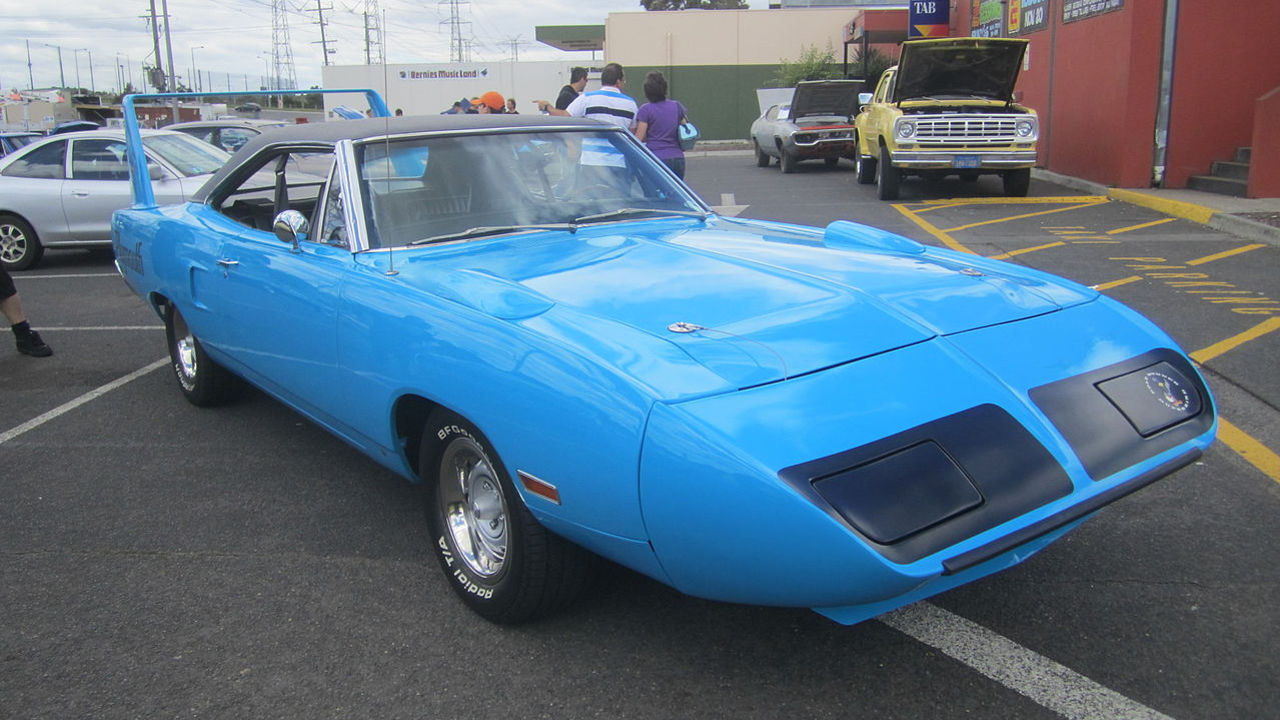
(814, 98)
(967, 67)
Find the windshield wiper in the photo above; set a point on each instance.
(628, 212)
(492, 230)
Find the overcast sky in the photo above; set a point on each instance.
(236, 35)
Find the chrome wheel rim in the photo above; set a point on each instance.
(185, 364)
(474, 508)
(13, 243)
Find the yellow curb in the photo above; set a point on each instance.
(1176, 208)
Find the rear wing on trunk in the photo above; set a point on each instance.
(143, 195)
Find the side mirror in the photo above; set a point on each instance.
(864, 98)
(155, 171)
(291, 227)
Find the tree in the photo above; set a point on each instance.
(693, 4)
(874, 66)
(813, 64)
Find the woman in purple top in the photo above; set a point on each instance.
(658, 123)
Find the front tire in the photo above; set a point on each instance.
(762, 158)
(788, 162)
(203, 382)
(498, 559)
(1017, 182)
(865, 165)
(20, 247)
(888, 177)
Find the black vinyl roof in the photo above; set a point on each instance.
(329, 133)
(335, 130)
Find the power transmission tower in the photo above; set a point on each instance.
(373, 50)
(283, 75)
(459, 49)
(323, 42)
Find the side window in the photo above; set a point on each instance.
(284, 180)
(882, 88)
(47, 162)
(232, 139)
(332, 228)
(97, 159)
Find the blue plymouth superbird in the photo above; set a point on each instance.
(576, 357)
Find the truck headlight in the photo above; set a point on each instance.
(904, 129)
(1026, 128)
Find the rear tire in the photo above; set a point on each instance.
(1017, 182)
(203, 382)
(762, 158)
(888, 177)
(498, 559)
(20, 247)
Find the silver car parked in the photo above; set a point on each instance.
(60, 192)
(817, 123)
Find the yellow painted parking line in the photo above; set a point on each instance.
(1188, 211)
(1254, 452)
(1117, 283)
(1091, 203)
(1226, 254)
(933, 230)
(1024, 251)
(1140, 226)
(1055, 200)
(1253, 333)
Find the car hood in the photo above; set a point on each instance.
(751, 302)
(837, 98)
(977, 67)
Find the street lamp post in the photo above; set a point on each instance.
(77, 52)
(195, 82)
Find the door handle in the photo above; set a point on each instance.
(79, 193)
(228, 263)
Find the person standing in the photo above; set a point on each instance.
(608, 104)
(570, 92)
(511, 107)
(29, 342)
(658, 123)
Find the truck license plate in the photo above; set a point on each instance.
(966, 161)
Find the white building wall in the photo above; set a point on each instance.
(722, 37)
(431, 88)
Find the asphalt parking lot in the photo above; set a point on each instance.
(165, 561)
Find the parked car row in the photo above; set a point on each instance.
(946, 108)
(60, 191)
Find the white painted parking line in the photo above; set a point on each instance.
(45, 328)
(72, 405)
(1048, 683)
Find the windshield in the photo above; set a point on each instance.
(447, 188)
(186, 154)
(22, 140)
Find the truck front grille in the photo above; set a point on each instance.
(965, 129)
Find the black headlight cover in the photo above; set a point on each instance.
(921, 490)
(1122, 414)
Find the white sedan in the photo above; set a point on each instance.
(60, 192)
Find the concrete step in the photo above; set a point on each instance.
(1243, 154)
(1233, 170)
(1222, 186)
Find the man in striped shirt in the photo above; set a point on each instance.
(607, 104)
